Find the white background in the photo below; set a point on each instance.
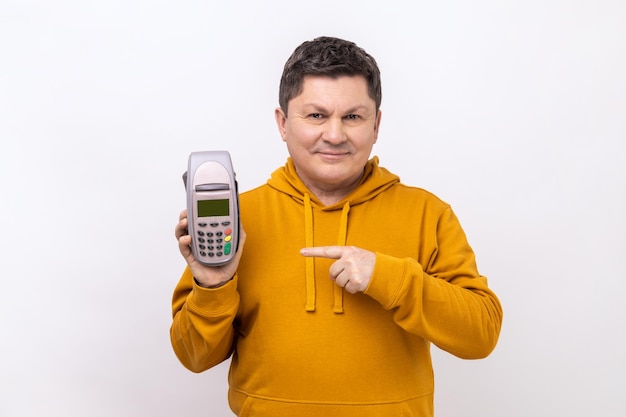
(512, 111)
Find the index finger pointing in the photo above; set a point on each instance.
(332, 252)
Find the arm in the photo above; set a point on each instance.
(445, 301)
(204, 306)
(202, 330)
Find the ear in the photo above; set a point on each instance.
(281, 121)
(377, 125)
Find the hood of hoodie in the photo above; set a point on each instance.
(374, 181)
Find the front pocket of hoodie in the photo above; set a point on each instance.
(252, 407)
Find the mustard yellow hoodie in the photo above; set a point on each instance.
(300, 345)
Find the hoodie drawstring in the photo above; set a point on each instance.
(310, 262)
(343, 235)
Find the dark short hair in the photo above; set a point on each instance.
(332, 57)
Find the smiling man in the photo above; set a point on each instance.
(344, 276)
(330, 129)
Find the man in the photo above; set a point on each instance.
(344, 276)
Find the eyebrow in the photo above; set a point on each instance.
(315, 106)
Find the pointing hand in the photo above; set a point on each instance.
(352, 269)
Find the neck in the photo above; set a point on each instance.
(330, 195)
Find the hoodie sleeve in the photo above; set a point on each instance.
(444, 300)
(202, 331)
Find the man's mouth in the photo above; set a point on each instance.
(335, 152)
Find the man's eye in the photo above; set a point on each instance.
(315, 116)
(352, 117)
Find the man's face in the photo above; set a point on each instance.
(330, 130)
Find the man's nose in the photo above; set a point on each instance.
(334, 130)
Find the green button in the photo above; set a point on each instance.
(227, 249)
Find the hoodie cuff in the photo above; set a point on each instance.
(211, 301)
(387, 280)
